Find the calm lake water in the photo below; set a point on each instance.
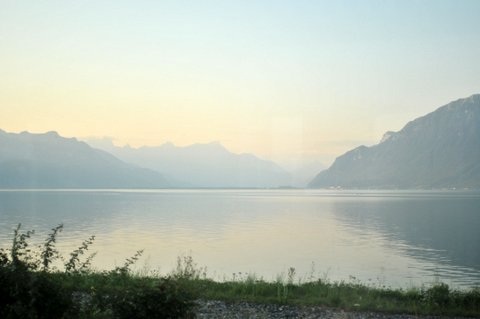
(392, 238)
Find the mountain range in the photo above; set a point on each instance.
(435, 151)
(50, 161)
(438, 150)
(202, 165)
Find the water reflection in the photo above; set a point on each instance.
(437, 232)
(395, 238)
(444, 229)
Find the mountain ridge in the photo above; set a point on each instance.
(48, 160)
(208, 165)
(438, 150)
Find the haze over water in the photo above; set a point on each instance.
(392, 238)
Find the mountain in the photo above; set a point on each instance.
(51, 161)
(438, 150)
(202, 165)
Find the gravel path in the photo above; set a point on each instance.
(219, 309)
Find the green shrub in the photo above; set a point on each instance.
(25, 292)
(28, 294)
(438, 295)
(162, 299)
(31, 289)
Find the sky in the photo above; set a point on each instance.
(291, 81)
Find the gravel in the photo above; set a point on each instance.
(219, 309)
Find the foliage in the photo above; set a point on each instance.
(20, 254)
(125, 269)
(162, 298)
(438, 295)
(74, 264)
(31, 288)
(49, 252)
(187, 269)
(438, 299)
(25, 292)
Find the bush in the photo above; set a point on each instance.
(162, 299)
(30, 289)
(25, 292)
(438, 295)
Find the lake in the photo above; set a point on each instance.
(381, 238)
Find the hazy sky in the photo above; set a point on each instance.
(287, 80)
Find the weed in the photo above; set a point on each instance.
(31, 288)
(49, 252)
(188, 269)
(74, 264)
(125, 269)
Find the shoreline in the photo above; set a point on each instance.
(216, 309)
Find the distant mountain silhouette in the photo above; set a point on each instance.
(202, 165)
(302, 174)
(438, 150)
(51, 161)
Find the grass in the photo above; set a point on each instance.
(30, 288)
(437, 300)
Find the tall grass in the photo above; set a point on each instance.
(437, 300)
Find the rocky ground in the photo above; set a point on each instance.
(240, 310)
